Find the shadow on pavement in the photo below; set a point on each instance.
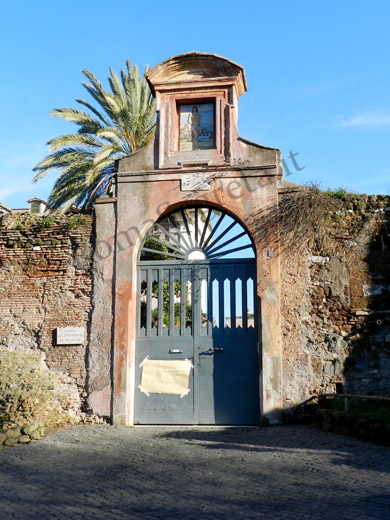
(347, 451)
(91, 473)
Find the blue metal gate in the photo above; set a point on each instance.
(197, 342)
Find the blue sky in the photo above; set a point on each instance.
(318, 77)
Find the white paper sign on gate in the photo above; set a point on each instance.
(166, 377)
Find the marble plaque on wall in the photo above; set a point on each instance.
(195, 182)
(70, 335)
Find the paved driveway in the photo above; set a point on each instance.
(107, 472)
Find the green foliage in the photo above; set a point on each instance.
(365, 409)
(27, 391)
(123, 122)
(47, 222)
(156, 246)
(79, 220)
(177, 311)
(344, 195)
(340, 193)
(315, 187)
(177, 315)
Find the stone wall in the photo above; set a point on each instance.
(30, 392)
(336, 305)
(45, 283)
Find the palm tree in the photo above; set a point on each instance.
(123, 123)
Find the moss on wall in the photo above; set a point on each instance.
(29, 391)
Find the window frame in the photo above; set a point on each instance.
(170, 155)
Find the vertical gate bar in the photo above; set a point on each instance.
(220, 298)
(196, 228)
(203, 293)
(171, 301)
(149, 284)
(210, 308)
(189, 280)
(209, 303)
(227, 309)
(139, 302)
(195, 282)
(253, 276)
(245, 301)
(183, 301)
(160, 302)
(233, 301)
(195, 301)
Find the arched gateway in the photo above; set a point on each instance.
(182, 263)
(196, 347)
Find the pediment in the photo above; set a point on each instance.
(194, 68)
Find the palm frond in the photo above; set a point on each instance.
(74, 140)
(121, 121)
(103, 119)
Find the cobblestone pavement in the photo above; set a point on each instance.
(108, 472)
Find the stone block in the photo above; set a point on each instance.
(316, 365)
(329, 368)
(319, 259)
(13, 433)
(24, 439)
(356, 290)
(360, 301)
(338, 368)
(29, 428)
(336, 343)
(37, 434)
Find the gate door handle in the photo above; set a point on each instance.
(211, 350)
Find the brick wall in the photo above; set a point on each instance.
(45, 283)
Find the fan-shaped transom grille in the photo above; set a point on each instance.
(197, 234)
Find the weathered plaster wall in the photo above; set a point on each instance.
(45, 283)
(143, 196)
(336, 306)
(101, 333)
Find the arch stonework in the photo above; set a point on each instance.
(237, 175)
